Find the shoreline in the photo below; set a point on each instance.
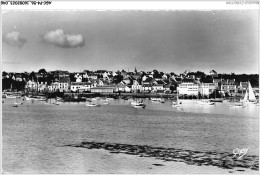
(222, 160)
(72, 160)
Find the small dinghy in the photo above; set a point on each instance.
(139, 106)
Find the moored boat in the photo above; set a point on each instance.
(10, 96)
(59, 99)
(240, 104)
(136, 102)
(158, 100)
(28, 98)
(216, 100)
(92, 105)
(139, 106)
(39, 98)
(205, 102)
(249, 97)
(177, 103)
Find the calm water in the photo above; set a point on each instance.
(33, 132)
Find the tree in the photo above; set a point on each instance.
(50, 78)
(155, 72)
(72, 77)
(117, 79)
(42, 72)
(32, 76)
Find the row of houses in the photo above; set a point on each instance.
(186, 87)
(153, 81)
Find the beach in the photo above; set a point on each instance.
(84, 161)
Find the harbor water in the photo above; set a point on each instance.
(34, 132)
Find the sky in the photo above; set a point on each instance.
(169, 41)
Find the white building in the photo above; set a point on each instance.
(80, 86)
(136, 86)
(53, 87)
(62, 85)
(188, 89)
(39, 86)
(207, 88)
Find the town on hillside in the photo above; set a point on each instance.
(187, 84)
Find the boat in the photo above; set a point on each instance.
(15, 105)
(95, 98)
(10, 96)
(125, 98)
(249, 97)
(158, 100)
(136, 102)
(89, 104)
(39, 98)
(109, 99)
(59, 99)
(28, 98)
(140, 105)
(216, 100)
(205, 102)
(177, 103)
(239, 104)
(92, 105)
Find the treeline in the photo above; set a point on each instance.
(253, 78)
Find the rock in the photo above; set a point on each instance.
(115, 152)
(240, 170)
(254, 168)
(157, 164)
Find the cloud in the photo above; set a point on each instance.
(60, 39)
(14, 39)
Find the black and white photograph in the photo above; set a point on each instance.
(121, 90)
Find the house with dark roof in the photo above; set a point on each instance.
(213, 73)
(188, 80)
(157, 77)
(147, 84)
(128, 80)
(93, 76)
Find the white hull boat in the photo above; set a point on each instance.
(28, 98)
(205, 102)
(40, 98)
(59, 99)
(92, 105)
(177, 103)
(235, 105)
(136, 103)
(109, 99)
(158, 100)
(139, 106)
(10, 96)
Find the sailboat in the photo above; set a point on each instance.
(177, 103)
(249, 96)
(216, 100)
(205, 102)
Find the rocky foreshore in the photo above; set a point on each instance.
(208, 158)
